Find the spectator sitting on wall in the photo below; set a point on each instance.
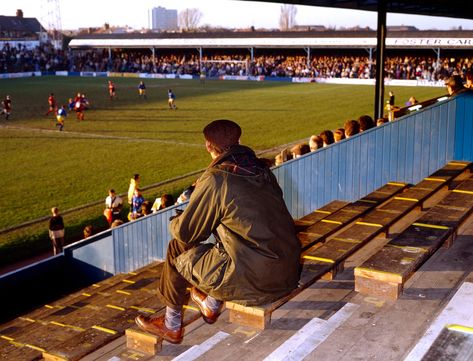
(113, 206)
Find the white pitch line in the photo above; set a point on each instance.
(198, 350)
(458, 310)
(306, 340)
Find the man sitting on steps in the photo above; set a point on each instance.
(255, 258)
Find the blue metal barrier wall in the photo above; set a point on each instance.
(405, 150)
(464, 128)
(143, 241)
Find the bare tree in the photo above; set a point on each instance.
(189, 19)
(287, 18)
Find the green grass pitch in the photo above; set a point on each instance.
(41, 167)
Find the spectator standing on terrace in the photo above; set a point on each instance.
(352, 127)
(142, 90)
(381, 121)
(111, 90)
(134, 183)
(469, 79)
(366, 122)
(327, 137)
(51, 104)
(455, 85)
(166, 200)
(255, 259)
(299, 150)
(339, 134)
(186, 194)
(60, 117)
(315, 142)
(113, 206)
(391, 100)
(171, 100)
(56, 231)
(136, 203)
(6, 107)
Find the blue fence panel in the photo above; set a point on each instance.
(138, 243)
(464, 127)
(406, 150)
(96, 252)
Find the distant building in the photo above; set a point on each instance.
(163, 19)
(20, 30)
(402, 28)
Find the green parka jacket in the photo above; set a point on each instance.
(256, 257)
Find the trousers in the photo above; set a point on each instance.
(172, 287)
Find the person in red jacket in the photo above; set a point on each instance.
(52, 104)
(111, 89)
(79, 107)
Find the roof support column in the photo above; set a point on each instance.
(252, 54)
(437, 51)
(381, 47)
(370, 60)
(200, 59)
(307, 50)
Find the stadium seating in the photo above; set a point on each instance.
(328, 259)
(84, 321)
(385, 273)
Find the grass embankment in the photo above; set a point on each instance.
(41, 167)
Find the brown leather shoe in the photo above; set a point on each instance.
(157, 327)
(208, 315)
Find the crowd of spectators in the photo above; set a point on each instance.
(46, 58)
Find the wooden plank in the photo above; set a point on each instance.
(11, 350)
(323, 212)
(94, 337)
(378, 288)
(395, 262)
(383, 193)
(398, 205)
(382, 217)
(451, 170)
(67, 322)
(260, 316)
(420, 237)
(446, 216)
(345, 244)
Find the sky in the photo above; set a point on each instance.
(227, 13)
